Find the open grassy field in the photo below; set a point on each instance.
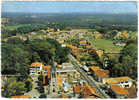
(11, 28)
(107, 45)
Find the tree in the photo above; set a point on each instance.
(43, 95)
(12, 87)
(68, 28)
(128, 62)
(13, 57)
(117, 70)
(28, 84)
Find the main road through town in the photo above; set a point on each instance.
(90, 81)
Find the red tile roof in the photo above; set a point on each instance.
(119, 90)
(47, 67)
(100, 72)
(21, 96)
(63, 96)
(117, 80)
(49, 73)
(77, 89)
(36, 64)
(59, 80)
(43, 79)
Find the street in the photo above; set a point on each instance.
(90, 81)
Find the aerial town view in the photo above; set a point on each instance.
(66, 49)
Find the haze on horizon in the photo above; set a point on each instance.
(70, 7)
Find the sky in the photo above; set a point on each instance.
(70, 7)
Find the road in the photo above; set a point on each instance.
(90, 81)
(88, 40)
(53, 85)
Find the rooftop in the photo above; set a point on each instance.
(86, 90)
(63, 96)
(100, 72)
(92, 90)
(67, 64)
(100, 52)
(36, 64)
(59, 80)
(83, 42)
(117, 80)
(71, 46)
(88, 46)
(47, 67)
(67, 69)
(119, 90)
(22, 96)
(77, 89)
(75, 50)
(94, 68)
(55, 63)
(78, 56)
(49, 73)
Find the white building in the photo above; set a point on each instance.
(38, 68)
(125, 82)
(35, 68)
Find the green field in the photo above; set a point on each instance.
(11, 28)
(107, 45)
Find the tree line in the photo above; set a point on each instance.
(125, 63)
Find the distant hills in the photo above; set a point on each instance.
(72, 18)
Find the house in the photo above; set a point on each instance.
(83, 42)
(55, 63)
(33, 33)
(86, 91)
(59, 81)
(65, 65)
(35, 68)
(77, 89)
(44, 31)
(46, 68)
(44, 80)
(63, 96)
(66, 70)
(90, 92)
(63, 45)
(98, 35)
(100, 52)
(38, 68)
(91, 50)
(118, 91)
(58, 29)
(120, 44)
(4, 20)
(61, 41)
(125, 81)
(51, 29)
(100, 74)
(78, 56)
(75, 50)
(88, 47)
(49, 73)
